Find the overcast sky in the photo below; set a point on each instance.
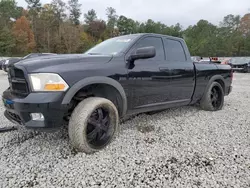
(186, 12)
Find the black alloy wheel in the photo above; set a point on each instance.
(99, 128)
(93, 124)
(216, 97)
(213, 97)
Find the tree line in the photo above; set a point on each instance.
(56, 27)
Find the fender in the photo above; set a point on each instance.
(212, 79)
(96, 80)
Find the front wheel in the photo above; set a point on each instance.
(213, 99)
(93, 124)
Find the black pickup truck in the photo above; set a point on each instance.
(117, 78)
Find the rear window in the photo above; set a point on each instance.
(174, 50)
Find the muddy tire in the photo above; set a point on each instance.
(93, 125)
(213, 98)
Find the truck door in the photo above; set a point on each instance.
(148, 85)
(182, 82)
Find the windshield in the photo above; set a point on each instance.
(112, 46)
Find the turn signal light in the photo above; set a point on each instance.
(54, 87)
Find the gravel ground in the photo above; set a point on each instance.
(183, 147)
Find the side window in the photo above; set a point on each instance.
(153, 41)
(174, 50)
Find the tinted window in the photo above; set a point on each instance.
(153, 41)
(174, 50)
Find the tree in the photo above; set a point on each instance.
(7, 42)
(231, 35)
(231, 22)
(112, 17)
(34, 7)
(59, 8)
(126, 25)
(24, 36)
(75, 12)
(201, 38)
(70, 37)
(33, 4)
(175, 30)
(111, 22)
(90, 16)
(86, 42)
(245, 24)
(56, 27)
(8, 10)
(96, 29)
(47, 29)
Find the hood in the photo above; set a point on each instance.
(13, 60)
(238, 63)
(53, 63)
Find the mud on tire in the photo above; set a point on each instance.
(93, 124)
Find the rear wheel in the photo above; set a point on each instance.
(93, 124)
(213, 99)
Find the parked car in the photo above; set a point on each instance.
(7, 61)
(1, 64)
(117, 78)
(14, 60)
(240, 64)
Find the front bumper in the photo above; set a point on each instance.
(18, 109)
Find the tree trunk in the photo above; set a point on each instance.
(48, 35)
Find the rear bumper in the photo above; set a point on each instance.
(229, 90)
(18, 110)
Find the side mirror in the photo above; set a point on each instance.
(143, 53)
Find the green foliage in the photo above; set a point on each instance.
(33, 3)
(75, 11)
(112, 22)
(126, 25)
(54, 30)
(8, 10)
(90, 16)
(7, 41)
(201, 38)
(112, 17)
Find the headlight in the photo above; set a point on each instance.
(47, 82)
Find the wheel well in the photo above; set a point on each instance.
(97, 90)
(221, 83)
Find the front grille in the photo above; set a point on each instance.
(17, 81)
